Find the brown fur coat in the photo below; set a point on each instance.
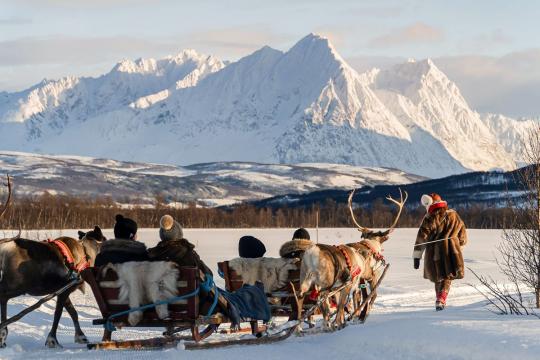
(443, 259)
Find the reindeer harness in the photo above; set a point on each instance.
(69, 259)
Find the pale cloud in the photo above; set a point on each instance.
(487, 41)
(236, 41)
(14, 20)
(412, 34)
(75, 50)
(509, 84)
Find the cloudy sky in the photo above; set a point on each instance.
(491, 48)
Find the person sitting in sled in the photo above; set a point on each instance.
(295, 248)
(173, 247)
(441, 236)
(124, 247)
(250, 247)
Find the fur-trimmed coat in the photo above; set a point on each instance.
(295, 248)
(443, 260)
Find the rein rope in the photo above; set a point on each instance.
(207, 285)
(434, 241)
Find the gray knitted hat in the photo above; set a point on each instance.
(170, 229)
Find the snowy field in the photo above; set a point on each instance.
(403, 324)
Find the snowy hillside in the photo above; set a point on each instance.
(208, 184)
(303, 105)
(488, 189)
(402, 325)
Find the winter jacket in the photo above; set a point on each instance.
(179, 251)
(295, 248)
(118, 251)
(443, 260)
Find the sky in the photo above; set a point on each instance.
(490, 48)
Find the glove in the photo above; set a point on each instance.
(416, 263)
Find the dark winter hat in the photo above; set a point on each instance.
(124, 228)
(251, 247)
(170, 229)
(301, 234)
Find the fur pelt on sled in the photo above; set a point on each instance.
(272, 272)
(145, 282)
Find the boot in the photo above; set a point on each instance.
(440, 304)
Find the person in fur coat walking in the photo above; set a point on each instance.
(441, 236)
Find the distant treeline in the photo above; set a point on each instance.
(61, 212)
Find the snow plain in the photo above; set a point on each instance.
(403, 324)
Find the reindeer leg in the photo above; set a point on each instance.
(325, 310)
(80, 338)
(52, 341)
(3, 331)
(372, 284)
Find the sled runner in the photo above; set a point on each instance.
(269, 336)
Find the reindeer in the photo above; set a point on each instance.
(370, 248)
(39, 268)
(327, 267)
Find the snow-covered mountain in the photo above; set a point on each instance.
(303, 105)
(512, 134)
(206, 184)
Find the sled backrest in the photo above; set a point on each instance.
(282, 301)
(106, 291)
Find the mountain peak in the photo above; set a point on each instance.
(313, 40)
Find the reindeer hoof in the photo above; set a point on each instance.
(81, 339)
(52, 343)
(3, 337)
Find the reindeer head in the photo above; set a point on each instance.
(379, 236)
(92, 241)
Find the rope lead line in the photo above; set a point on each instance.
(434, 241)
(207, 286)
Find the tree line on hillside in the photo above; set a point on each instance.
(67, 212)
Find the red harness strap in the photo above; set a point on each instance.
(377, 255)
(68, 256)
(353, 270)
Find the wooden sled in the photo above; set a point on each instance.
(183, 314)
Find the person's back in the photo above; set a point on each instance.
(124, 247)
(440, 238)
(296, 247)
(173, 247)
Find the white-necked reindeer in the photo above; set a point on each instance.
(370, 247)
(326, 267)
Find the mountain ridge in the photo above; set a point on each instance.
(302, 105)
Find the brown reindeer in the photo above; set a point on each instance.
(40, 268)
(370, 248)
(327, 267)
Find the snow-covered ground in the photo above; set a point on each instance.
(403, 324)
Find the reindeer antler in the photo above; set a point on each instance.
(6, 205)
(360, 227)
(399, 204)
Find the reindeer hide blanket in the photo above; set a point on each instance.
(145, 282)
(271, 272)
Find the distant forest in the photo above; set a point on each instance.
(61, 212)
